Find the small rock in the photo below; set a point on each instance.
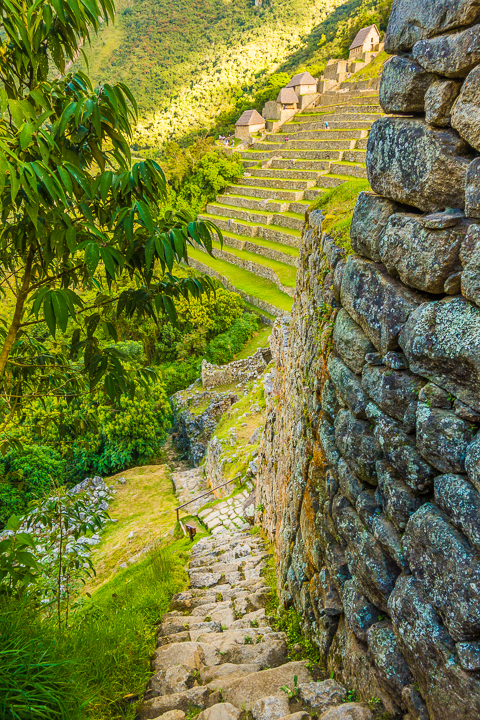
(439, 100)
(220, 711)
(321, 695)
(271, 708)
(349, 711)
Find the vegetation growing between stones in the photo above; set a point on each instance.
(337, 205)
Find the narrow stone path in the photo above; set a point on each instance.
(219, 656)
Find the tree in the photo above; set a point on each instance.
(77, 216)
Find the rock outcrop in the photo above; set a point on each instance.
(369, 465)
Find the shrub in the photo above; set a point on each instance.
(222, 349)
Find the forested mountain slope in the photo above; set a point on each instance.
(195, 63)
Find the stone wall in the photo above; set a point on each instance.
(369, 468)
(235, 371)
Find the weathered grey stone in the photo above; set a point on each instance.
(411, 21)
(270, 653)
(337, 279)
(367, 506)
(400, 451)
(348, 711)
(320, 696)
(390, 662)
(395, 360)
(374, 358)
(466, 412)
(377, 302)
(350, 485)
(172, 715)
(220, 711)
(421, 258)
(359, 611)
(397, 500)
(188, 654)
(443, 438)
(357, 445)
(350, 342)
(452, 55)
(466, 111)
(348, 386)
(332, 251)
(470, 257)
(448, 690)
(443, 560)
(172, 680)
(435, 397)
(403, 87)
(373, 570)
(369, 219)
(442, 343)
(390, 539)
(417, 164)
(472, 190)
(391, 391)
(212, 672)
(472, 462)
(414, 703)
(469, 655)
(439, 100)
(330, 404)
(272, 707)
(458, 498)
(326, 434)
(328, 594)
(453, 284)
(151, 709)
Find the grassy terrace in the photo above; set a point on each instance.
(246, 281)
(285, 249)
(285, 273)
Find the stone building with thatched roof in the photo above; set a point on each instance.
(367, 40)
(288, 98)
(249, 122)
(303, 84)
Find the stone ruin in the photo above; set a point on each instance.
(369, 468)
(239, 371)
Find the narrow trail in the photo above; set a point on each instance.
(219, 656)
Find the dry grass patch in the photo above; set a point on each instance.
(143, 506)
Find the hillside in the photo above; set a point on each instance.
(192, 63)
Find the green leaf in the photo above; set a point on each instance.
(26, 135)
(60, 309)
(92, 257)
(49, 314)
(71, 238)
(108, 261)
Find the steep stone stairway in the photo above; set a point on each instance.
(218, 656)
(262, 215)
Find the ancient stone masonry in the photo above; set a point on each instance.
(369, 468)
(235, 371)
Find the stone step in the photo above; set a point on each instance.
(285, 235)
(331, 181)
(278, 183)
(263, 247)
(289, 220)
(306, 120)
(362, 144)
(235, 213)
(265, 193)
(312, 194)
(343, 124)
(268, 206)
(358, 171)
(300, 164)
(287, 174)
(262, 267)
(323, 144)
(321, 134)
(355, 156)
(340, 108)
(287, 152)
(250, 163)
(345, 101)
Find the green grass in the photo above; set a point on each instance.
(257, 311)
(259, 340)
(279, 247)
(286, 274)
(372, 70)
(246, 281)
(338, 204)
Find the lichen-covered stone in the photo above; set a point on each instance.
(349, 484)
(417, 164)
(397, 499)
(469, 655)
(465, 412)
(420, 257)
(400, 451)
(320, 696)
(452, 55)
(472, 462)
(330, 404)
(390, 662)
(443, 438)
(442, 343)
(448, 690)
(392, 391)
(359, 611)
(435, 397)
(370, 217)
(403, 87)
(326, 434)
(355, 440)
(377, 302)
(466, 111)
(470, 257)
(367, 506)
(411, 20)
(458, 498)
(472, 190)
(441, 558)
(395, 360)
(348, 386)
(390, 539)
(439, 100)
(350, 342)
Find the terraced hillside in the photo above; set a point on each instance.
(263, 214)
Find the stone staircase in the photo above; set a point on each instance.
(262, 216)
(218, 655)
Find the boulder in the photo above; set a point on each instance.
(320, 696)
(472, 190)
(448, 690)
(443, 438)
(248, 508)
(183, 701)
(383, 647)
(272, 707)
(448, 568)
(350, 342)
(417, 164)
(395, 496)
(452, 55)
(439, 100)
(457, 497)
(349, 484)
(213, 672)
(220, 711)
(403, 86)
(348, 711)
(330, 404)
(370, 217)
(400, 451)
(348, 386)
(360, 613)
(271, 652)
(442, 343)
(392, 391)
(355, 440)
(172, 715)
(466, 111)
(422, 258)
(435, 397)
(411, 20)
(472, 462)
(380, 304)
(469, 655)
(470, 257)
(395, 360)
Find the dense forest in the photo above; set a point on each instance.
(196, 65)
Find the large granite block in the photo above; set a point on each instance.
(439, 100)
(348, 386)
(397, 499)
(466, 111)
(403, 86)
(452, 55)
(457, 497)
(442, 343)
(357, 445)
(350, 342)
(370, 217)
(400, 451)
(378, 303)
(421, 257)
(392, 391)
(411, 20)
(443, 438)
(472, 190)
(417, 164)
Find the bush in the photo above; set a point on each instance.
(222, 349)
